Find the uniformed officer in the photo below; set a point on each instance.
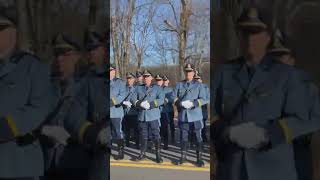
(65, 86)
(301, 145)
(131, 114)
(198, 78)
(117, 96)
(98, 108)
(139, 78)
(68, 159)
(260, 106)
(164, 115)
(147, 99)
(24, 103)
(168, 106)
(189, 96)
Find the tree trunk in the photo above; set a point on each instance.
(127, 42)
(115, 31)
(225, 41)
(93, 12)
(139, 59)
(182, 36)
(24, 42)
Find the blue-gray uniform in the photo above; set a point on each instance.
(169, 109)
(98, 107)
(154, 95)
(130, 91)
(302, 149)
(69, 112)
(98, 113)
(117, 95)
(205, 111)
(275, 100)
(149, 117)
(25, 102)
(193, 91)
(165, 109)
(189, 97)
(301, 145)
(131, 118)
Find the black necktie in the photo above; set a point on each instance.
(251, 71)
(1, 63)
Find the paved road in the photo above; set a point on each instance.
(135, 173)
(131, 169)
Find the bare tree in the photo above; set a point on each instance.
(115, 33)
(121, 23)
(199, 36)
(225, 42)
(181, 29)
(129, 13)
(93, 5)
(142, 31)
(24, 40)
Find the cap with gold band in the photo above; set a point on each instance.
(277, 45)
(146, 73)
(251, 21)
(189, 67)
(112, 67)
(197, 76)
(138, 74)
(158, 77)
(4, 21)
(93, 40)
(130, 75)
(165, 78)
(63, 43)
(8, 17)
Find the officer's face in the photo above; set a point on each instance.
(166, 83)
(147, 79)
(131, 81)
(140, 79)
(189, 75)
(98, 56)
(159, 83)
(254, 44)
(8, 38)
(199, 80)
(67, 62)
(112, 74)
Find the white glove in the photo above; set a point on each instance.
(103, 137)
(57, 133)
(145, 105)
(248, 135)
(184, 104)
(127, 103)
(166, 100)
(187, 104)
